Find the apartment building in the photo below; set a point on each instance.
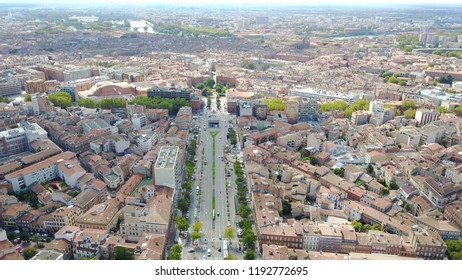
(427, 244)
(65, 216)
(439, 194)
(103, 216)
(41, 104)
(168, 167)
(18, 140)
(308, 109)
(138, 120)
(154, 217)
(424, 116)
(87, 243)
(43, 171)
(171, 92)
(453, 213)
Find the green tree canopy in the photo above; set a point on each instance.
(36, 237)
(197, 226)
(376, 227)
(370, 168)
(360, 104)
(87, 103)
(181, 223)
(286, 208)
(249, 255)
(229, 232)
(442, 110)
(249, 65)
(357, 226)
(209, 83)
(29, 253)
(409, 113)
(458, 110)
(248, 238)
(195, 235)
(24, 236)
(175, 252)
(60, 99)
(231, 257)
(172, 105)
(28, 97)
(333, 106)
(338, 172)
(275, 104)
(123, 253)
(454, 249)
(408, 104)
(112, 103)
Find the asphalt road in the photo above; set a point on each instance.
(212, 227)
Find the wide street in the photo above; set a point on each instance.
(212, 188)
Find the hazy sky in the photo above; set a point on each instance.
(230, 2)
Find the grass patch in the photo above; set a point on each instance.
(213, 134)
(213, 207)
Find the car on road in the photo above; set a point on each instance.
(191, 250)
(204, 248)
(205, 241)
(204, 257)
(209, 253)
(219, 236)
(218, 214)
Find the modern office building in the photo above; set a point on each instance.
(168, 167)
(260, 110)
(317, 94)
(424, 116)
(171, 92)
(43, 171)
(138, 120)
(17, 140)
(308, 109)
(41, 104)
(244, 108)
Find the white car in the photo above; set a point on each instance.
(204, 248)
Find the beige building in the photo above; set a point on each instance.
(103, 216)
(154, 217)
(65, 216)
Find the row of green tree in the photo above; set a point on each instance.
(232, 137)
(445, 80)
(248, 236)
(209, 85)
(392, 78)
(275, 104)
(359, 227)
(360, 104)
(183, 203)
(189, 31)
(172, 105)
(106, 103)
(457, 54)
(407, 43)
(60, 99)
(454, 249)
